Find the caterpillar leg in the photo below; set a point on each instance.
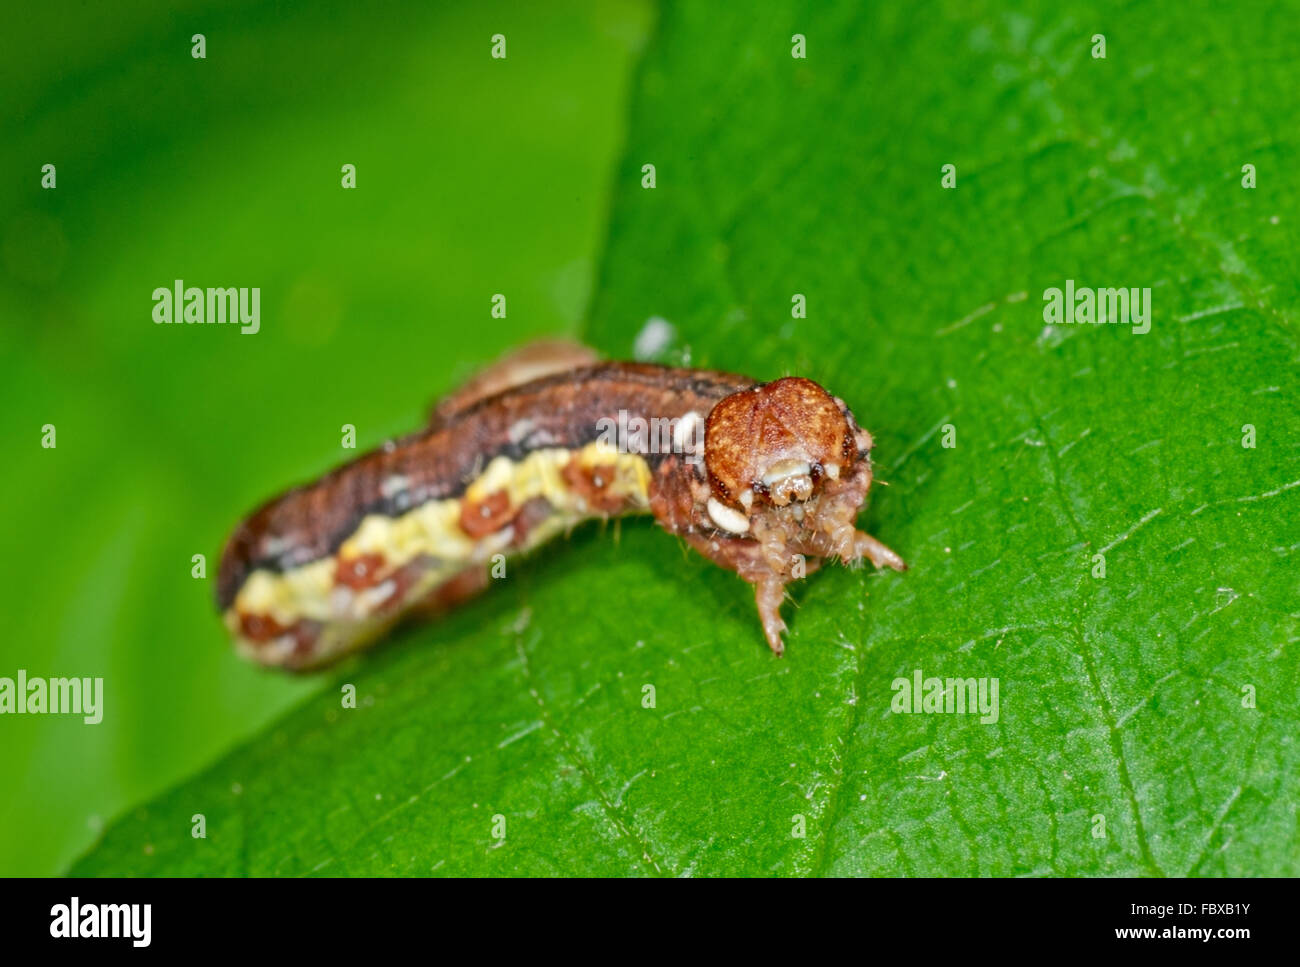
(770, 565)
(864, 545)
(768, 573)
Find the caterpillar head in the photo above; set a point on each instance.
(775, 445)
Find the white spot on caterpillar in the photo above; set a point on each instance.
(688, 435)
(277, 545)
(394, 485)
(493, 543)
(526, 431)
(371, 598)
(277, 651)
(726, 518)
(341, 601)
(784, 469)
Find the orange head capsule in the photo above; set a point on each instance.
(776, 443)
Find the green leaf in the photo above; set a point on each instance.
(1127, 741)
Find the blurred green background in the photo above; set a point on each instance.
(474, 176)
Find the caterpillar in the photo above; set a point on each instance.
(765, 479)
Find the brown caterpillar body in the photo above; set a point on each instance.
(764, 479)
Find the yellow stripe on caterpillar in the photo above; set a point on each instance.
(433, 531)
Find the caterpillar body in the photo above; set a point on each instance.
(765, 479)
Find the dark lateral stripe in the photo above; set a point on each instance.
(310, 522)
